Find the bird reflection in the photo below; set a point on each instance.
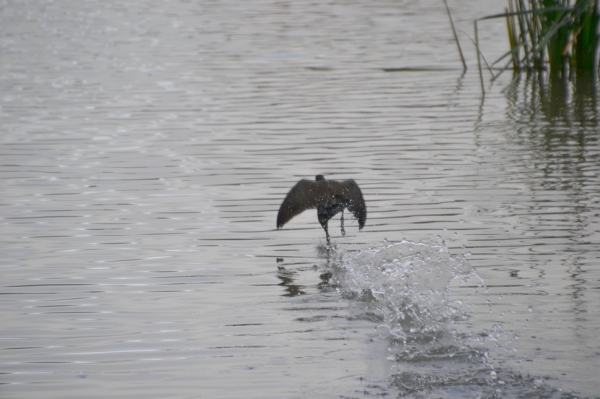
(325, 284)
(329, 197)
(287, 281)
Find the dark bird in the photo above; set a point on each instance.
(328, 196)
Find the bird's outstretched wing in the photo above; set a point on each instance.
(355, 202)
(306, 194)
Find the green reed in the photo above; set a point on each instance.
(552, 35)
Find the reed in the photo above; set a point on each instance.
(552, 35)
(462, 57)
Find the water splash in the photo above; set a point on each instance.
(413, 291)
(407, 285)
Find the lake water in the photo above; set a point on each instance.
(146, 149)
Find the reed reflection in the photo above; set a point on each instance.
(558, 120)
(556, 124)
(554, 99)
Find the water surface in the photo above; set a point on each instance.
(147, 146)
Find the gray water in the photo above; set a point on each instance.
(147, 146)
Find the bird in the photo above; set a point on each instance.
(329, 197)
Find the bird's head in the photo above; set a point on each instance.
(319, 177)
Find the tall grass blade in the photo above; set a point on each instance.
(479, 58)
(586, 44)
(455, 36)
(512, 36)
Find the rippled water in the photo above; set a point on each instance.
(147, 146)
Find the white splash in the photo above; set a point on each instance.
(407, 285)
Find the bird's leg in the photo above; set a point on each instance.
(323, 219)
(326, 232)
(343, 231)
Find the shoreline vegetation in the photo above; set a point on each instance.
(553, 37)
